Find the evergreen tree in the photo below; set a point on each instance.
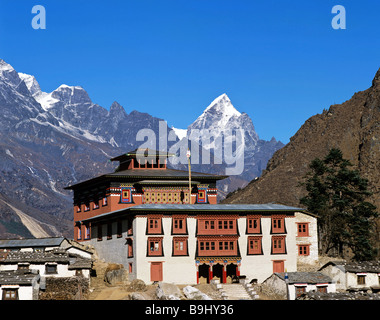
(338, 196)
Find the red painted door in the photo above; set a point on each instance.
(156, 271)
(278, 266)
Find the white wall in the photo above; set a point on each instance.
(179, 270)
(312, 239)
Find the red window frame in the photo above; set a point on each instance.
(126, 195)
(87, 232)
(254, 224)
(224, 247)
(278, 244)
(300, 290)
(154, 225)
(130, 247)
(303, 229)
(303, 249)
(254, 245)
(155, 246)
(179, 225)
(180, 246)
(278, 224)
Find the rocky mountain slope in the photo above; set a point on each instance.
(353, 126)
(51, 140)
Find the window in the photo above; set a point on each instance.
(23, 266)
(10, 294)
(154, 225)
(221, 248)
(180, 247)
(303, 229)
(179, 225)
(278, 224)
(119, 229)
(300, 290)
(278, 244)
(202, 196)
(126, 195)
(100, 232)
(322, 289)
(254, 245)
(361, 278)
(155, 247)
(87, 233)
(109, 231)
(253, 225)
(130, 247)
(303, 250)
(79, 208)
(96, 204)
(86, 207)
(226, 224)
(104, 201)
(51, 268)
(209, 224)
(79, 233)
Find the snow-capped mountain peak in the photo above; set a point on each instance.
(224, 105)
(31, 83)
(217, 115)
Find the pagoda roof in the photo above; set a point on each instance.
(150, 174)
(147, 153)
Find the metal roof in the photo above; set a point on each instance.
(164, 174)
(28, 243)
(216, 208)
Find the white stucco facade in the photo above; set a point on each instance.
(183, 269)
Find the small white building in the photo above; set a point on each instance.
(19, 285)
(31, 269)
(45, 245)
(360, 275)
(299, 283)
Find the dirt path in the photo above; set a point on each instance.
(33, 225)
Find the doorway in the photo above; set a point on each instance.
(217, 271)
(204, 271)
(156, 271)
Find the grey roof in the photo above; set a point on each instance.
(18, 277)
(35, 257)
(305, 277)
(210, 208)
(163, 173)
(355, 266)
(30, 243)
(217, 207)
(151, 174)
(60, 256)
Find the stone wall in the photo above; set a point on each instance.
(73, 288)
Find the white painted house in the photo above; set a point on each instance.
(19, 285)
(359, 275)
(32, 269)
(298, 283)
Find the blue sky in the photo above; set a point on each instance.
(279, 61)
